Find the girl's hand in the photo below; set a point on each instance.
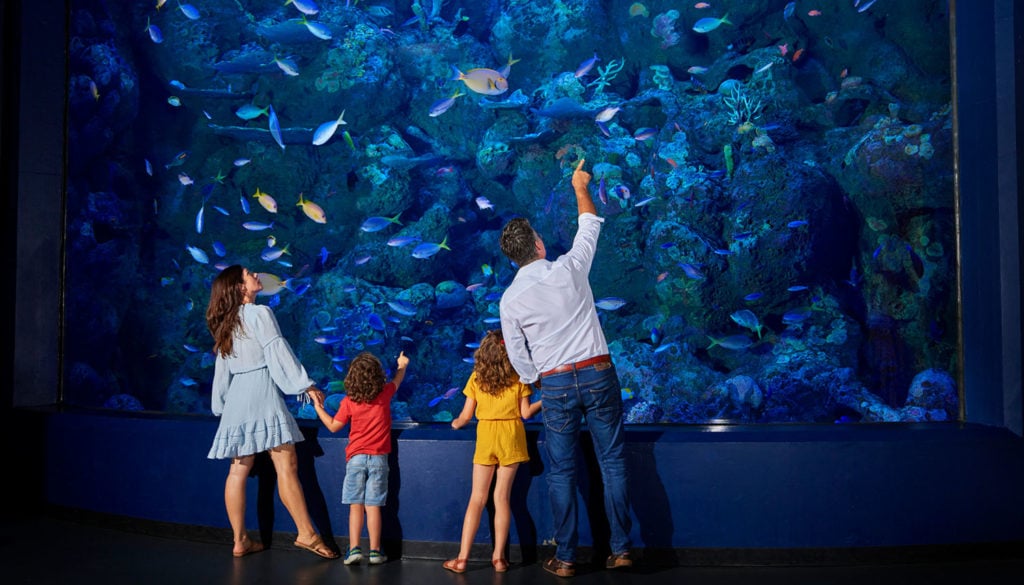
(458, 423)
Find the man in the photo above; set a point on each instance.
(553, 336)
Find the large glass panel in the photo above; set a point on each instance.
(776, 181)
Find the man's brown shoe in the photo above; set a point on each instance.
(560, 568)
(619, 561)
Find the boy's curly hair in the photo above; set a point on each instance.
(365, 378)
(493, 370)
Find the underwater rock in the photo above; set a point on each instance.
(934, 390)
(450, 295)
(123, 402)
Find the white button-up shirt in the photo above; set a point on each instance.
(548, 317)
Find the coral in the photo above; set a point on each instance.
(606, 74)
(742, 107)
(662, 77)
(663, 27)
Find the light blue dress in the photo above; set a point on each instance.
(253, 415)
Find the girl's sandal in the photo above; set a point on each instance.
(455, 565)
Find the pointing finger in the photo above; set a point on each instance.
(580, 166)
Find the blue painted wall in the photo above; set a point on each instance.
(788, 487)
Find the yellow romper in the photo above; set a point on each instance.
(500, 434)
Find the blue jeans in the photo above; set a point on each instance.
(592, 393)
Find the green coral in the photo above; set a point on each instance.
(606, 74)
(662, 78)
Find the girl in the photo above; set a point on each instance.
(500, 402)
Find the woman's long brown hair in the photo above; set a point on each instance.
(493, 370)
(222, 315)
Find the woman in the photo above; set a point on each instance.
(253, 362)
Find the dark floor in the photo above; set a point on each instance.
(50, 549)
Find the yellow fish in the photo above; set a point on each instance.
(272, 284)
(485, 81)
(312, 210)
(265, 200)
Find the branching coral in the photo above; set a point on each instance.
(742, 108)
(606, 74)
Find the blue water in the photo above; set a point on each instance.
(776, 183)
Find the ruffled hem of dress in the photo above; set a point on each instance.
(253, 437)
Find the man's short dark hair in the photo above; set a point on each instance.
(519, 241)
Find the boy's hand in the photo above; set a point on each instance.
(402, 360)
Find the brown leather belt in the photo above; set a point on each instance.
(601, 359)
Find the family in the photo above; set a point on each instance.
(550, 342)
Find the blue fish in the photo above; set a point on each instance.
(797, 315)
(375, 322)
(154, 32)
(305, 6)
(441, 106)
(586, 66)
(403, 307)
(199, 219)
(376, 223)
(399, 241)
(275, 127)
(706, 25)
(753, 296)
(198, 254)
(427, 250)
(255, 226)
(691, 270)
(219, 249)
(325, 131)
(731, 342)
(610, 303)
(189, 11)
(221, 210)
(245, 204)
(748, 319)
(323, 256)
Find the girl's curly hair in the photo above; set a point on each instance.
(493, 370)
(222, 316)
(365, 378)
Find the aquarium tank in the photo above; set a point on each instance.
(776, 181)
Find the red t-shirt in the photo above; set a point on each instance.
(371, 423)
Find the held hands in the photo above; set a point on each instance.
(317, 395)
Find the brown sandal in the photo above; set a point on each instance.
(253, 547)
(500, 565)
(318, 548)
(455, 565)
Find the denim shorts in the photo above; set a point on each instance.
(366, 480)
